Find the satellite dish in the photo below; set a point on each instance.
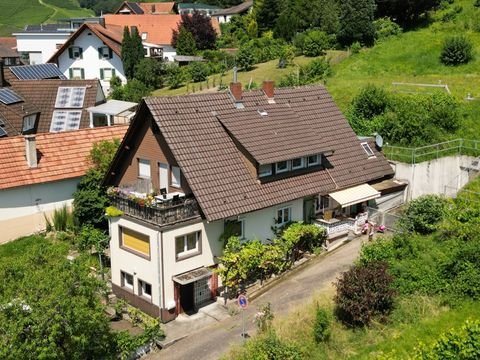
(379, 141)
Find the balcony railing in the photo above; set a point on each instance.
(157, 213)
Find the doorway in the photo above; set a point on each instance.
(186, 298)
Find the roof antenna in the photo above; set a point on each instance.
(235, 74)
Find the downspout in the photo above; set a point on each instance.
(161, 288)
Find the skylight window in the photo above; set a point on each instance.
(70, 97)
(368, 150)
(262, 112)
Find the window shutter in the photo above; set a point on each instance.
(100, 53)
(80, 51)
(70, 73)
(70, 53)
(102, 75)
(83, 73)
(110, 53)
(113, 72)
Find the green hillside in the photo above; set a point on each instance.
(15, 14)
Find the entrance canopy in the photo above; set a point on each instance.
(355, 195)
(192, 276)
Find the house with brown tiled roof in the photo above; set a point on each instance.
(225, 15)
(190, 166)
(39, 173)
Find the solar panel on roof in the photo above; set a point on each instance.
(3, 132)
(8, 96)
(37, 72)
(70, 97)
(65, 120)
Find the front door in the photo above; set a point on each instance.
(308, 210)
(202, 292)
(186, 298)
(163, 174)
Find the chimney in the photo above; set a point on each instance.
(236, 90)
(268, 88)
(31, 151)
(1, 74)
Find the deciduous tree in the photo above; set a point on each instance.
(200, 26)
(356, 22)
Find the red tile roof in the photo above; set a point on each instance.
(193, 128)
(159, 7)
(61, 156)
(9, 41)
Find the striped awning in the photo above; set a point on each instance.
(355, 195)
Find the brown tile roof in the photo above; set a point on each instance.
(43, 94)
(9, 41)
(12, 115)
(61, 156)
(111, 37)
(159, 7)
(6, 51)
(214, 168)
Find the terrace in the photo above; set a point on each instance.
(153, 209)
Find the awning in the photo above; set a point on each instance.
(355, 195)
(112, 107)
(192, 276)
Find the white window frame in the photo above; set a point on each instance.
(279, 171)
(315, 162)
(142, 167)
(186, 252)
(368, 150)
(176, 177)
(301, 166)
(77, 73)
(105, 74)
(262, 172)
(144, 35)
(142, 289)
(29, 122)
(282, 216)
(124, 277)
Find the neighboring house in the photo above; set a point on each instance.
(136, 8)
(189, 8)
(252, 160)
(92, 52)
(8, 52)
(155, 29)
(61, 105)
(40, 173)
(225, 15)
(37, 43)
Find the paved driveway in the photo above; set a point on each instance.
(215, 340)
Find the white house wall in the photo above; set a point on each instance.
(45, 44)
(169, 52)
(445, 175)
(141, 268)
(90, 61)
(23, 209)
(258, 224)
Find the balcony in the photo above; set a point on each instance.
(341, 225)
(158, 213)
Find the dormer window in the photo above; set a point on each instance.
(75, 52)
(265, 170)
(104, 52)
(144, 35)
(281, 166)
(298, 163)
(29, 122)
(313, 160)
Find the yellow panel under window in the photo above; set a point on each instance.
(136, 241)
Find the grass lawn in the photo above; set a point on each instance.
(418, 319)
(15, 14)
(21, 246)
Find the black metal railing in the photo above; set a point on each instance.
(157, 213)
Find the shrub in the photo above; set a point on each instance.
(443, 111)
(371, 101)
(198, 71)
(456, 50)
(364, 292)
(300, 237)
(175, 76)
(455, 344)
(315, 43)
(380, 249)
(90, 236)
(385, 27)
(321, 326)
(245, 59)
(423, 214)
(355, 47)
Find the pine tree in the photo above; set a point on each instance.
(127, 53)
(267, 14)
(356, 22)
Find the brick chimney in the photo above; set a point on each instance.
(268, 88)
(236, 90)
(31, 151)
